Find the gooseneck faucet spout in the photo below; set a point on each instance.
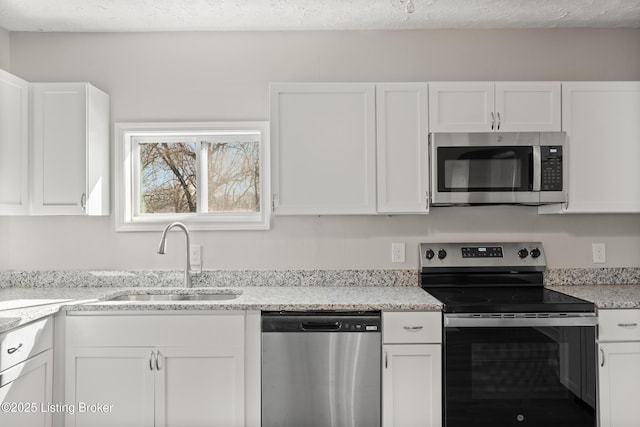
(163, 246)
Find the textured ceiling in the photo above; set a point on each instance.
(215, 15)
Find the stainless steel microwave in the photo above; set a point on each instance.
(498, 168)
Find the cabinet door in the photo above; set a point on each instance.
(528, 106)
(323, 139)
(619, 383)
(121, 377)
(59, 150)
(462, 107)
(26, 392)
(14, 143)
(200, 387)
(70, 149)
(412, 385)
(601, 121)
(402, 150)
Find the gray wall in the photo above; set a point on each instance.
(225, 76)
(4, 49)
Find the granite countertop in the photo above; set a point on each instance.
(20, 305)
(605, 296)
(52, 300)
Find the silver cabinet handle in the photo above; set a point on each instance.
(412, 328)
(627, 325)
(83, 201)
(386, 360)
(493, 120)
(151, 357)
(158, 356)
(14, 349)
(498, 114)
(602, 355)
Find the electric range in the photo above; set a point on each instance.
(514, 352)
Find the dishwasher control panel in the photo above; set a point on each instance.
(285, 321)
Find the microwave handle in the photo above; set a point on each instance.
(537, 166)
(430, 175)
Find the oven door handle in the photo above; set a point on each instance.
(468, 321)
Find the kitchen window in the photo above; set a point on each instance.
(211, 176)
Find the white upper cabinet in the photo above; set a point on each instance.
(603, 129)
(461, 106)
(70, 149)
(528, 107)
(494, 107)
(323, 142)
(14, 143)
(402, 147)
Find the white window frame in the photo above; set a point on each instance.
(127, 217)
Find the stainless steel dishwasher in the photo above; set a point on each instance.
(321, 369)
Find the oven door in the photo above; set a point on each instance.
(485, 168)
(520, 376)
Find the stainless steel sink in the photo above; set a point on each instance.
(176, 297)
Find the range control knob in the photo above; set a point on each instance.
(523, 253)
(442, 254)
(535, 252)
(429, 254)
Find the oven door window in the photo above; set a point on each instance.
(499, 377)
(483, 169)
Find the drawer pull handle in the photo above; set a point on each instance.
(627, 325)
(14, 349)
(412, 328)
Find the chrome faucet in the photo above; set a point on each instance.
(163, 244)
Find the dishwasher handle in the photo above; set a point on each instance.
(320, 326)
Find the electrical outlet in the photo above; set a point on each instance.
(599, 253)
(195, 256)
(397, 252)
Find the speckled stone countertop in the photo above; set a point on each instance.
(29, 295)
(251, 298)
(605, 296)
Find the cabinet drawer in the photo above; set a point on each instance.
(142, 329)
(18, 344)
(400, 327)
(619, 325)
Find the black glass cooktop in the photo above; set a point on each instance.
(500, 299)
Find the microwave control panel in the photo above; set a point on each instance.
(551, 168)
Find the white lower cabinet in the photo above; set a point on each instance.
(26, 392)
(411, 385)
(26, 375)
(619, 384)
(412, 369)
(187, 370)
(619, 367)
